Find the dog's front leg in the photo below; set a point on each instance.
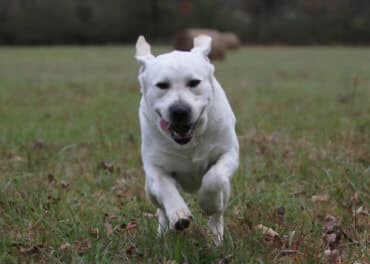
(162, 191)
(215, 191)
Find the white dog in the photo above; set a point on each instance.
(188, 134)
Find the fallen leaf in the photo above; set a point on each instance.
(50, 178)
(330, 222)
(131, 225)
(27, 249)
(82, 245)
(95, 233)
(361, 211)
(119, 228)
(64, 185)
(107, 166)
(333, 239)
(320, 198)
(131, 250)
(64, 246)
(333, 256)
(78, 247)
(267, 231)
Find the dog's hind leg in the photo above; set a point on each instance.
(162, 191)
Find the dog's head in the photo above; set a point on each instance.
(177, 87)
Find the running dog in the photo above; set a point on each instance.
(188, 135)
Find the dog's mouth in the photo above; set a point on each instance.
(180, 133)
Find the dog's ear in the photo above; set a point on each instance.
(202, 44)
(143, 53)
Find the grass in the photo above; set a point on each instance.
(71, 182)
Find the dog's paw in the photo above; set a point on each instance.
(216, 227)
(182, 220)
(182, 224)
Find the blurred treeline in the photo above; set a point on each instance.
(120, 21)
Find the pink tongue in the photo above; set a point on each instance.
(164, 124)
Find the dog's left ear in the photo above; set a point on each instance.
(143, 53)
(202, 44)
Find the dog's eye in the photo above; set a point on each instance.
(193, 83)
(163, 85)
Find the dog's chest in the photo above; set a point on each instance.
(188, 168)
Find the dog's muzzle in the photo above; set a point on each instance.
(180, 126)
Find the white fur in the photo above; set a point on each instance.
(204, 165)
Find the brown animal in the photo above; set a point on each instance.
(231, 40)
(184, 41)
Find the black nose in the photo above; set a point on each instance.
(180, 113)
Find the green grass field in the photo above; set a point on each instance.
(71, 181)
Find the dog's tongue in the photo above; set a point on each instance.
(164, 124)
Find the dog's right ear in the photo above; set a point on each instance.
(143, 53)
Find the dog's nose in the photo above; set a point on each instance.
(180, 113)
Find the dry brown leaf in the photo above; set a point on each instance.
(107, 166)
(50, 178)
(131, 250)
(27, 249)
(333, 256)
(64, 185)
(64, 246)
(361, 211)
(267, 230)
(78, 247)
(330, 222)
(333, 239)
(82, 245)
(320, 198)
(95, 232)
(131, 225)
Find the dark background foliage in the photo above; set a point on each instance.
(120, 21)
